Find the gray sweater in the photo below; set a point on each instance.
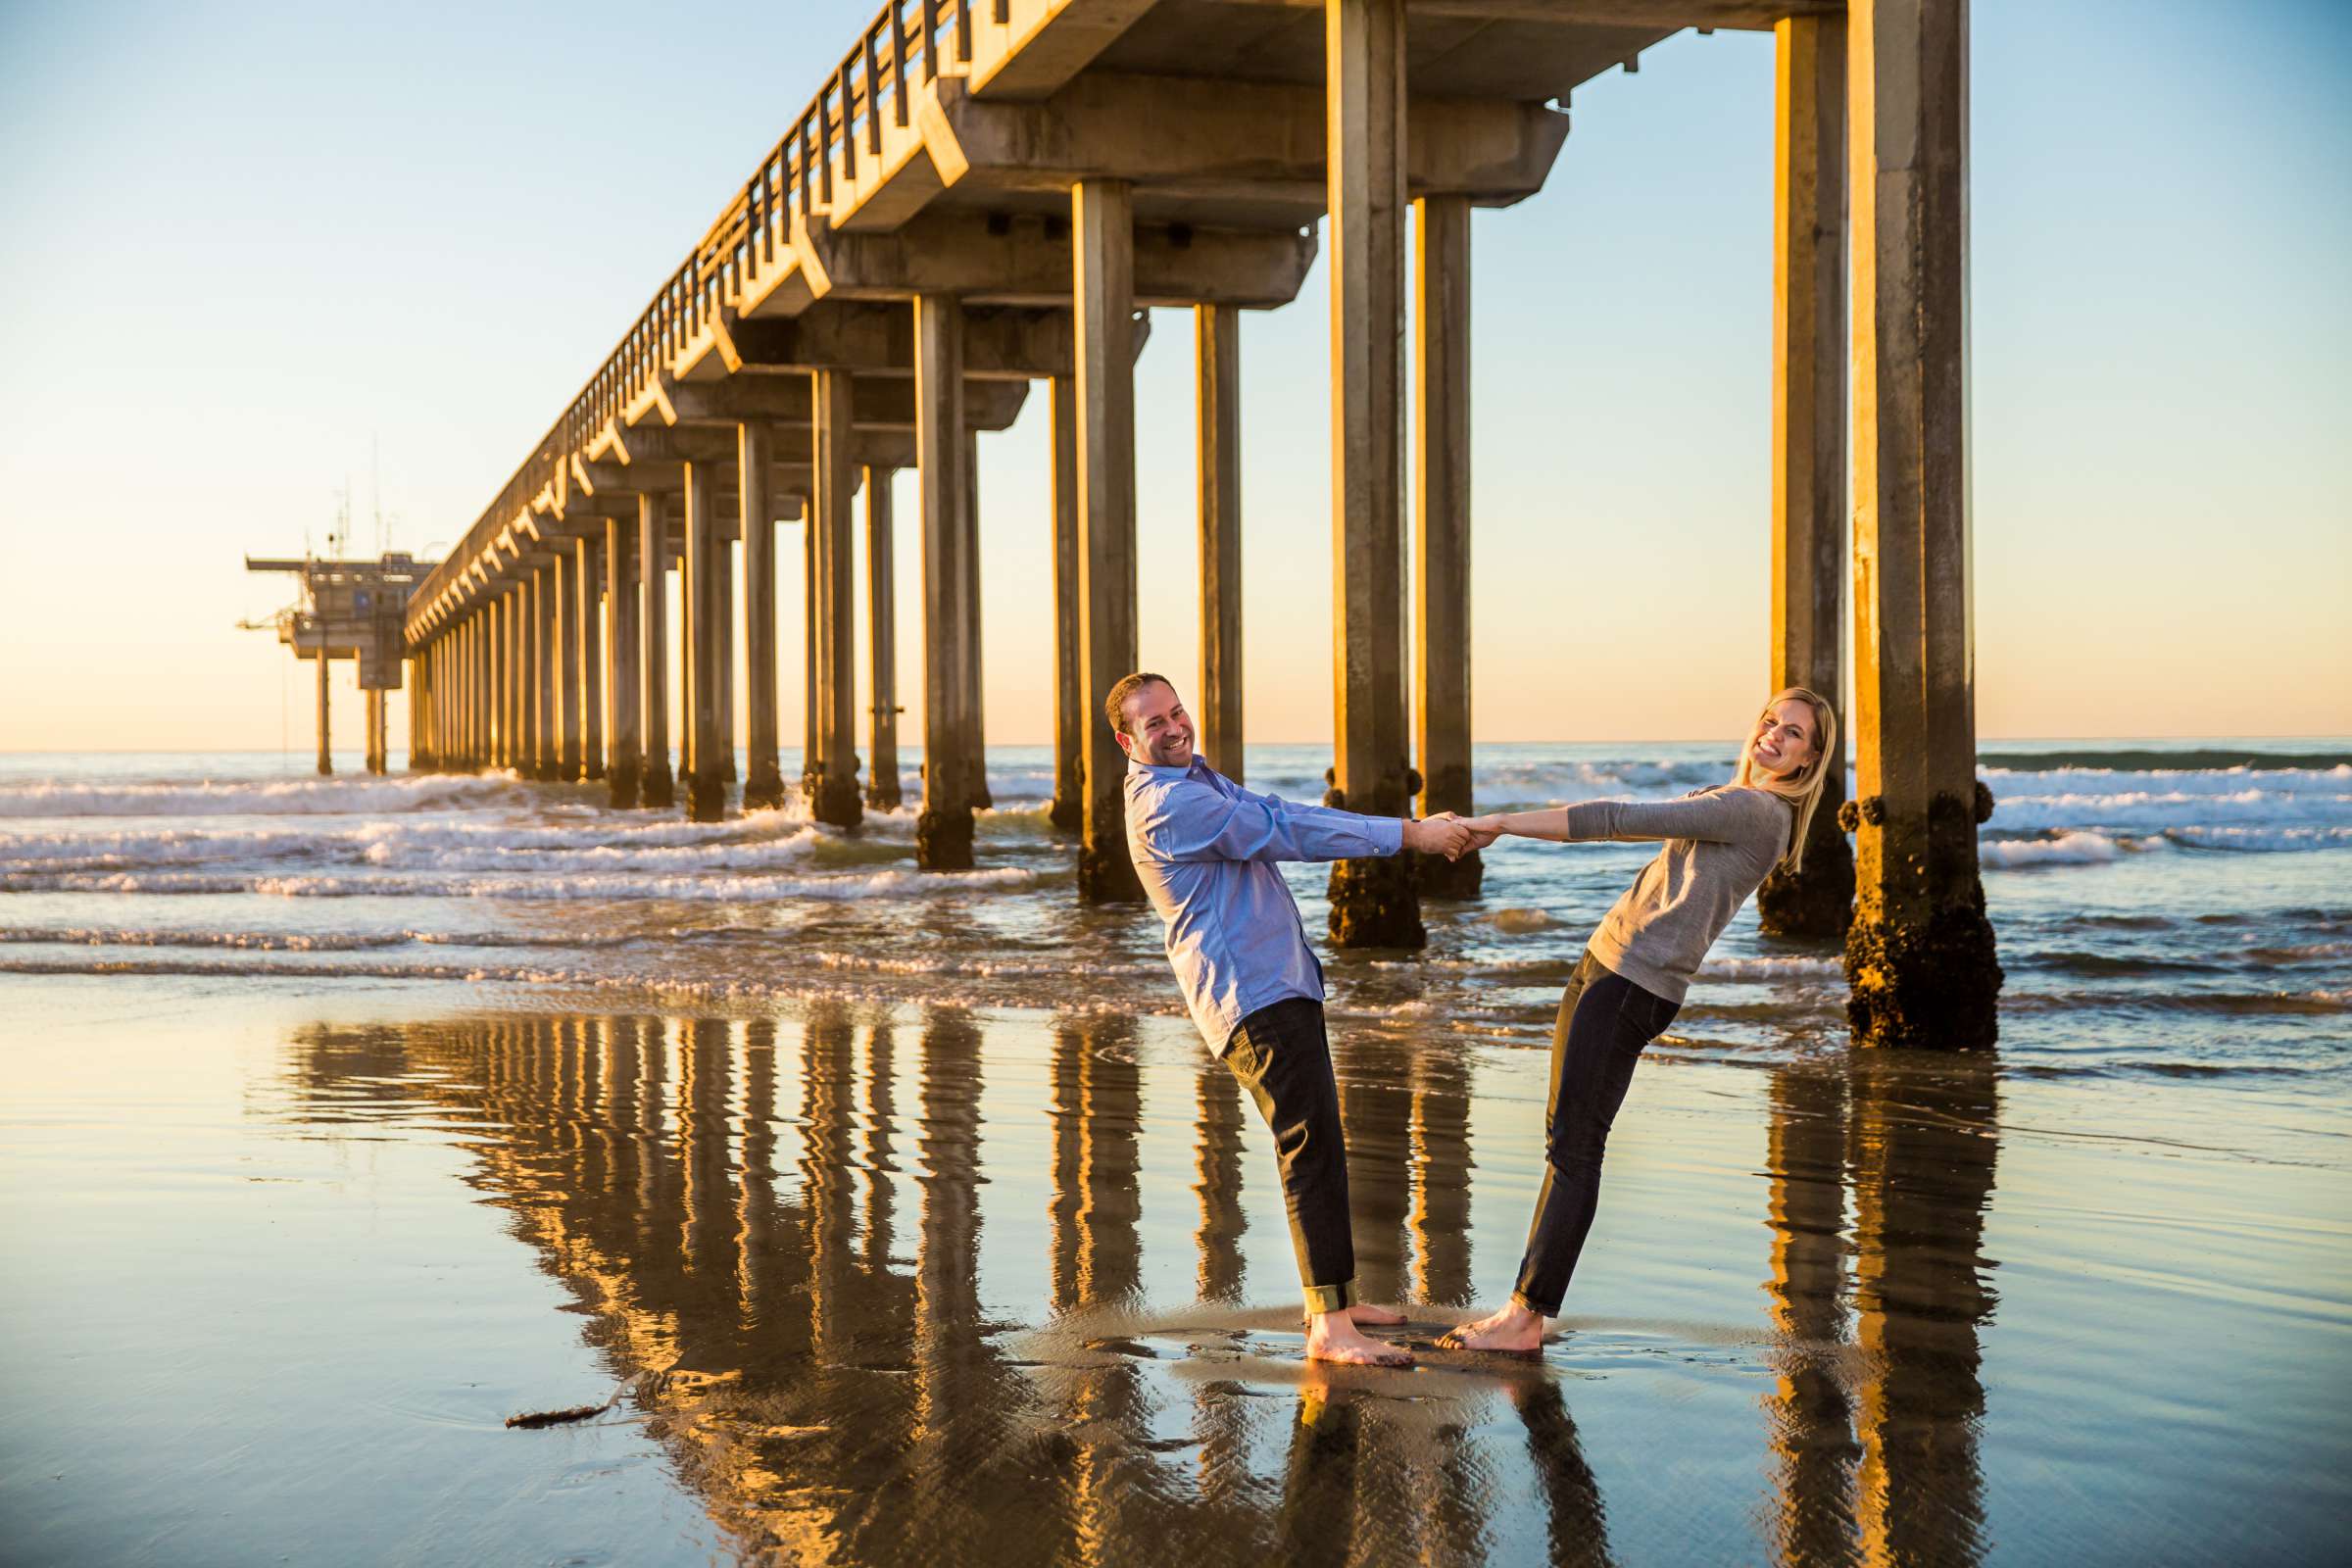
(1720, 844)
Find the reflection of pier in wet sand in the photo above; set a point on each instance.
(788, 1227)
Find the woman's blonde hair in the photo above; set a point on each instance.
(1801, 788)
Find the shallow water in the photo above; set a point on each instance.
(903, 1284)
(2152, 918)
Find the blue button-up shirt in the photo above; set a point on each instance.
(1205, 847)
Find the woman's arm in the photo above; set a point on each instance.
(1721, 816)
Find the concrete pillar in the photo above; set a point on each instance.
(1808, 439)
(653, 571)
(564, 574)
(1102, 267)
(722, 608)
(502, 680)
(516, 606)
(589, 563)
(1373, 903)
(705, 650)
(1070, 708)
(374, 700)
(547, 738)
(832, 523)
(943, 833)
(882, 617)
(1441, 528)
(809, 698)
(756, 514)
(327, 763)
(1217, 445)
(420, 758)
(623, 659)
(975, 716)
(1919, 953)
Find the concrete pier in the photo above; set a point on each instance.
(1374, 904)
(1217, 446)
(989, 201)
(374, 703)
(832, 526)
(1809, 438)
(653, 785)
(1441, 529)
(1072, 714)
(974, 745)
(882, 620)
(624, 663)
(1103, 259)
(755, 517)
(563, 573)
(327, 761)
(708, 737)
(1920, 956)
(588, 567)
(943, 832)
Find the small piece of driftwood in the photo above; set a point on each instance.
(578, 1412)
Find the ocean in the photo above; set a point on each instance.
(864, 1215)
(2161, 906)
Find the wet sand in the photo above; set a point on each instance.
(897, 1284)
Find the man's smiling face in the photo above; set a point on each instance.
(1158, 730)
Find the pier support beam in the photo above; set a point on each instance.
(623, 659)
(654, 786)
(1373, 903)
(564, 574)
(420, 715)
(327, 763)
(975, 705)
(1103, 262)
(764, 778)
(546, 735)
(508, 754)
(1218, 378)
(722, 609)
(1441, 529)
(588, 561)
(808, 697)
(882, 618)
(1070, 733)
(374, 702)
(832, 524)
(1920, 954)
(1808, 440)
(943, 833)
(706, 650)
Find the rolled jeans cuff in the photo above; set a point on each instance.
(1519, 1299)
(1321, 1298)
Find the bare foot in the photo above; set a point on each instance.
(1514, 1328)
(1334, 1337)
(1379, 1318)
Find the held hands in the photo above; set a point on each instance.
(1450, 835)
(1443, 834)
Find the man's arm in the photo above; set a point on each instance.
(1197, 822)
(1722, 817)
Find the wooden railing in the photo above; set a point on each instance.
(908, 41)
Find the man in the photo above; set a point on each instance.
(1204, 849)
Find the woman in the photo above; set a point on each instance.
(1720, 843)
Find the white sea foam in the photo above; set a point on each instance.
(698, 889)
(420, 792)
(1789, 967)
(2065, 848)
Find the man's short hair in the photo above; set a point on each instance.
(1114, 706)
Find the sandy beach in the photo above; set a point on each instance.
(903, 1284)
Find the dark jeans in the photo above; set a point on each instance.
(1282, 1057)
(1604, 1022)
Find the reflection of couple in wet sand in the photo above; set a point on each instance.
(1205, 848)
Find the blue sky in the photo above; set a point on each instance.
(247, 245)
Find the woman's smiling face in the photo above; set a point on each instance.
(1786, 738)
